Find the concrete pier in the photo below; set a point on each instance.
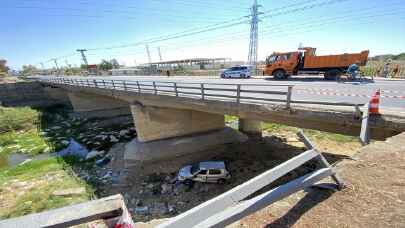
(155, 123)
(253, 128)
(89, 105)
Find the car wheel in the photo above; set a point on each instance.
(188, 182)
(279, 74)
(221, 181)
(222, 75)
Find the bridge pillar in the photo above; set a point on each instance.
(170, 138)
(251, 127)
(89, 105)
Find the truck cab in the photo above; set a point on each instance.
(281, 65)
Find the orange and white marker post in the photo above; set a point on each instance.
(375, 103)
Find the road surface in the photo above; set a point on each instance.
(305, 89)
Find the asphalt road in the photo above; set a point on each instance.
(305, 89)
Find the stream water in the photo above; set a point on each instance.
(13, 160)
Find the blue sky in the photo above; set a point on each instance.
(34, 31)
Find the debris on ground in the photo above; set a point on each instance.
(69, 191)
(74, 149)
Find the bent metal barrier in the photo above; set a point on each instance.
(232, 205)
(239, 93)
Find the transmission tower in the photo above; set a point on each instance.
(160, 54)
(252, 57)
(147, 52)
(56, 65)
(83, 56)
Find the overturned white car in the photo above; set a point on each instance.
(209, 171)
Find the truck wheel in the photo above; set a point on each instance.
(279, 74)
(333, 74)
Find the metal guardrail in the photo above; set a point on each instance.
(239, 93)
(231, 206)
(205, 91)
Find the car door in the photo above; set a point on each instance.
(238, 72)
(214, 175)
(201, 176)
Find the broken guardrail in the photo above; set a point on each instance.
(110, 209)
(231, 206)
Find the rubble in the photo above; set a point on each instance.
(69, 191)
(94, 153)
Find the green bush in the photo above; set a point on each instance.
(15, 119)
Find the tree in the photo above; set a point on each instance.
(105, 65)
(3, 68)
(115, 63)
(28, 69)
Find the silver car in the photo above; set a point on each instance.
(209, 171)
(237, 72)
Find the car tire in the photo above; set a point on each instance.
(221, 181)
(188, 182)
(279, 74)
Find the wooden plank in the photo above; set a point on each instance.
(71, 215)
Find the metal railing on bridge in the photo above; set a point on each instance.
(239, 93)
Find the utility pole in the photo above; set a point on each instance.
(56, 64)
(160, 54)
(147, 51)
(252, 57)
(83, 56)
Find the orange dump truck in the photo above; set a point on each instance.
(304, 61)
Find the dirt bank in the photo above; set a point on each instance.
(374, 196)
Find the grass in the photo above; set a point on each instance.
(15, 119)
(312, 134)
(29, 188)
(28, 142)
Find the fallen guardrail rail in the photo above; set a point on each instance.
(232, 205)
(109, 209)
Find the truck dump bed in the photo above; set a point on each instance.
(335, 61)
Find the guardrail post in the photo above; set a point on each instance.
(104, 84)
(95, 83)
(238, 93)
(88, 83)
(321, 159)
(154, 87)
(289, 93)
(112, 81)
(139, 87)
(365, 130)
(202, 91)
(175, 89)
(125, 85)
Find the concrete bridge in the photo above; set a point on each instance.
(179, 119)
